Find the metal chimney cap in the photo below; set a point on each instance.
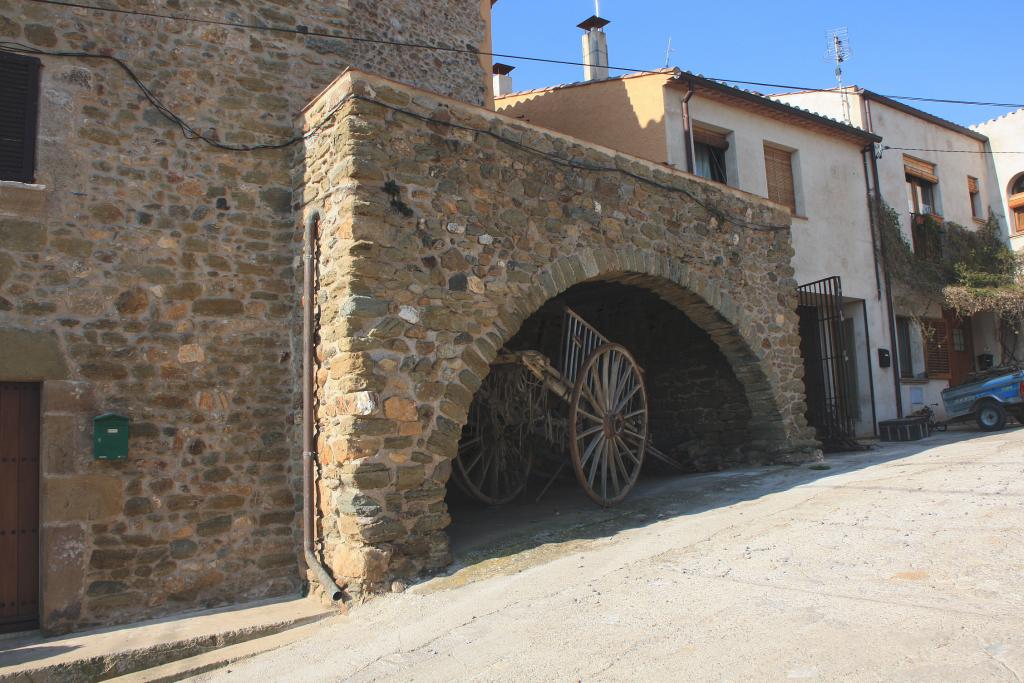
(500, 69)
(593, 23)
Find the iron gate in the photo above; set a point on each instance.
(826, 375)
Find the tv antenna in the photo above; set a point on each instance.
(668, 52)
(838, 50)
(597, 8)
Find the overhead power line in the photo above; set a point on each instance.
(949, 151)
(192, 134)
(305, 31)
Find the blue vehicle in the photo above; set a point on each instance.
(989, 398)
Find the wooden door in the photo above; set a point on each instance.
(19, 505)
(961, 348)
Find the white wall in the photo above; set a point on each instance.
(832, 236)
(1005, 134)
(900, 129)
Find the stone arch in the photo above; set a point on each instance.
(777, 421)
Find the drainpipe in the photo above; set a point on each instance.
(308, 513)
(888, 296)
(691, 152)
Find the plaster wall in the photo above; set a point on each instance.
(1006, 134)
(626, 114)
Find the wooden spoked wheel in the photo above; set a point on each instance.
(493, 464)
(608, 424)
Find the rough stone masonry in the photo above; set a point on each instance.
(155, 276)
(442, 228)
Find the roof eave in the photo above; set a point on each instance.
(686, 79)
(930, 118)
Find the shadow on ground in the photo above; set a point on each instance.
(507, 539)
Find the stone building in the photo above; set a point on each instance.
(147, 273)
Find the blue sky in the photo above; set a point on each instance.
(944, 49)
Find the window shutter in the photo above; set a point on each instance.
(936, 352)
(778, 166)
(919, 168)
(19, 83)
(710, 137)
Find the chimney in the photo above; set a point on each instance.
(502, 80)
(595, 48)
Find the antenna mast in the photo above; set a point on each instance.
(838, 50)
(668, 52)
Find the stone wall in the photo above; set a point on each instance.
(156, 276)
(443, 228)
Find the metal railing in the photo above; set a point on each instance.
(579, 339)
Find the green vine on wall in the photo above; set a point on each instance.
(974, 270)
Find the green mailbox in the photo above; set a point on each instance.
(110, 437)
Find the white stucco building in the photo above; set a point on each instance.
(930, 168)
(1006, 163)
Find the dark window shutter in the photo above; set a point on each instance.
(936, 352)
(19, 105)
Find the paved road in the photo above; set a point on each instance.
(905, 563)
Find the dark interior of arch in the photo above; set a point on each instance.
(699, 411)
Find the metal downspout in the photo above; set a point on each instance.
(691, 152)
(888, 296)
(308, 513)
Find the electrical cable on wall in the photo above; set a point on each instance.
(304, 31)
(191, 133)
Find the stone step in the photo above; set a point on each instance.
(217, 659)
(118, 651)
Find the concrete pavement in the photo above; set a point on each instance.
(903, 563)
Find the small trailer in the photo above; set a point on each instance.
(989, 399)
(599, 410)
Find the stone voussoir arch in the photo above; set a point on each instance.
(778, 430)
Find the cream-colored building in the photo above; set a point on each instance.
(817, 167)
(928, 167)
(1006, 163)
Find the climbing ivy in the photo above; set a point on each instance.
(974, 270)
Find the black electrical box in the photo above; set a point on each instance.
(985, 361)
(884, 358)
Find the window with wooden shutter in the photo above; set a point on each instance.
(974, 191)
(936, 349)
(19, 85)
(1017, 205)
(778, 166)
(919, 168)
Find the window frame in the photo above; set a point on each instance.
(716, 158)
(904, 348)
(937, 361)
(1015, 200)
(29, 134)
(773, 157)
(974, 193)
(916, 187)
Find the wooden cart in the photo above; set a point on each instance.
(599, 410)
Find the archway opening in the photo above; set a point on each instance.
(698, 414)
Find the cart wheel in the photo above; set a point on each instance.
(608, 424)
(493, 464)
